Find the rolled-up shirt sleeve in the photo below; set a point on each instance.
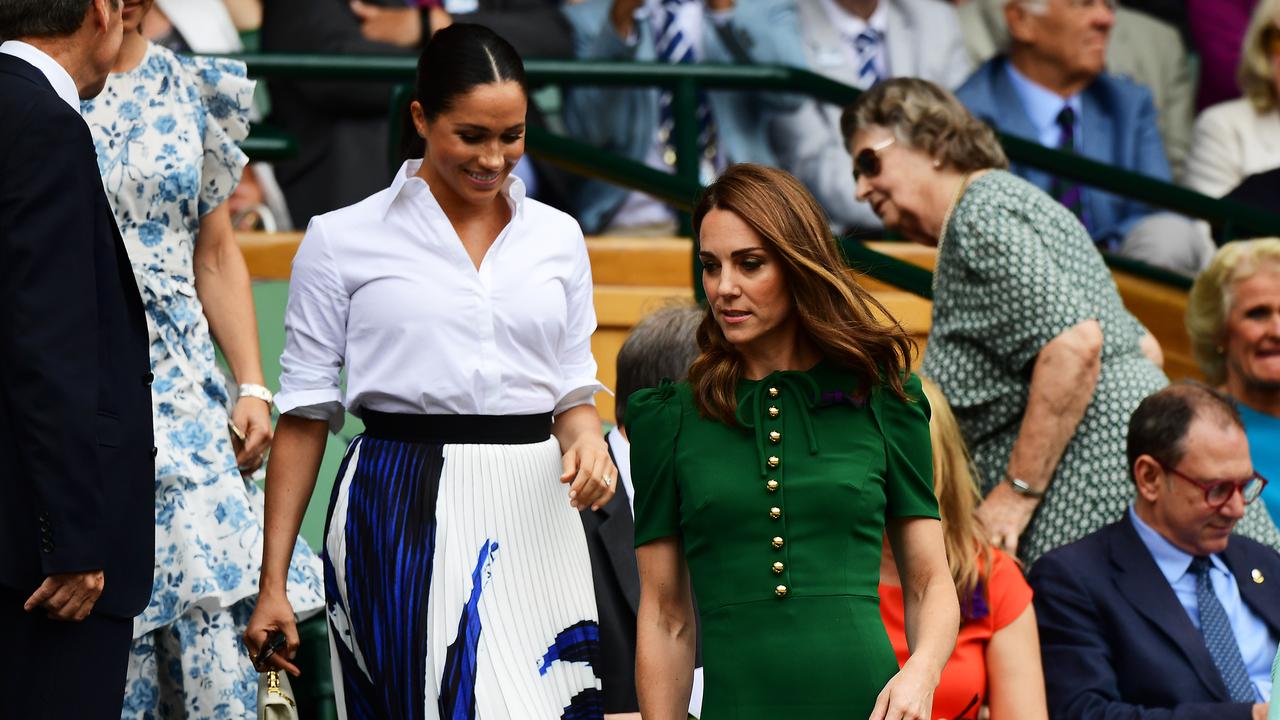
(315, 334)
(578, 383)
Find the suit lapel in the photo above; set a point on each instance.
(1013, 118)
(618, 532)
(1147, 590)
(1263, 597)
(823, 45)
(1098, 130)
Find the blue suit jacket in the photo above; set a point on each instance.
(624, 120)
(1115, 641)
(1118, 126)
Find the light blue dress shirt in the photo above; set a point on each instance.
(1043, 105)
(1263, 432)
(1257, 645)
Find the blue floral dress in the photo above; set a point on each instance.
(166, 135)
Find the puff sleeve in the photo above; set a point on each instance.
(653, 425)
(908, 451)
(223, 96)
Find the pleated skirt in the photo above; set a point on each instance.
(457, 580)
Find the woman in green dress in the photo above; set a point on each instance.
(769, 477)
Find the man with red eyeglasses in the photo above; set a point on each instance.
(1164, 614)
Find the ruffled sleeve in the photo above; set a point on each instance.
(653, 424)
(225, 96)
(908, 451)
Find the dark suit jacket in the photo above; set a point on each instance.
(77, 484)
(342, 126)
(1118, 125)
(1116, 642)
(611, 538)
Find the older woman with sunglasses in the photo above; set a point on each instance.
(1233, 318)
(1030, 341)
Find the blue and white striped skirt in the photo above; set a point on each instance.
(457, 578)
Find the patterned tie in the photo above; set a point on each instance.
(674, 47)
(866, 47)
(1066, 191)
(1218, 636)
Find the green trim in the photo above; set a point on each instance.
(269, 143)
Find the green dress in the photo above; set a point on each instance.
(781, 521)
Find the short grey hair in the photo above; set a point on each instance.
(661, 346)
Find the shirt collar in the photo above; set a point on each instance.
(1042, 105)
(407, 184)
(850, 25)
(1173, 561)
(58, 77)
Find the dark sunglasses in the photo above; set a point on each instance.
(867, 162)
(1218, 492)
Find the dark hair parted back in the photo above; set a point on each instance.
(1160, 424)
(848, 326)
(460, 57)
(42, 18)
(661, 345)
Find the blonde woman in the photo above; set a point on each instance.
(1233, 318)
(996, 662)
(1241, 137)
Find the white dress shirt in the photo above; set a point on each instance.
(58, 77)
(851, 26)
(385, 289)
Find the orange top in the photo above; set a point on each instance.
(963, 687)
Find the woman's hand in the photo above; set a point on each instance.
(592, 474)
(252, 417)
(272, 615)
(907, 696)
(1005, 514)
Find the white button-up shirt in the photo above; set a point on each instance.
(58, 77)
(385, 289)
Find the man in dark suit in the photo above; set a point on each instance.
(660, 346)
(77, 483)
(1164, 614)
(342, 126)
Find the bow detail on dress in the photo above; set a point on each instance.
(751, 408)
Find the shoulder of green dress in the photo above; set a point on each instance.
(654, 399)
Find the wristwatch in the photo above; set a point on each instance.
(1022, 487)
(256, 391)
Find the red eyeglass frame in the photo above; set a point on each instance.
(1208, 486)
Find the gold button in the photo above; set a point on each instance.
(774, 461)
(777, 542)
(773, 392)
(774, 412)
(778, 568)
(775, 512)
(775, 437)
(780, 591)
(771, 486)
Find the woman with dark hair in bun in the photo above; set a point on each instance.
(456, 571)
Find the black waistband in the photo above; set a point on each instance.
(458, 429)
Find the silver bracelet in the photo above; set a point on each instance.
(256, 391)
(1022, 487)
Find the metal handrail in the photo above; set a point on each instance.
(683, 80)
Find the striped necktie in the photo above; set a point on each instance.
(1066, 191)
(674, 46)
(867, 46)
(1218, 636)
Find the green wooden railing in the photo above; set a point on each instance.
(681, 189)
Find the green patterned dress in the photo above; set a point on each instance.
(1016, 269)
(781, 521)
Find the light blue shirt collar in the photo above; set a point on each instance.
(1173, 561)
(1043, 105)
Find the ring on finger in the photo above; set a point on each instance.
(608, 480)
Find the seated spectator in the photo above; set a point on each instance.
(341, 126)
(1142, 48)
(637, 122)
(1233, 319)
(1052, 88)
(660, 346)
(858, 43)
(996, 662)
(1217, 33)
(1164, 614)
(1239, 138)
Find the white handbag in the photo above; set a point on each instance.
(275, 697)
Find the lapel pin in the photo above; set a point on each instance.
(1257, 576)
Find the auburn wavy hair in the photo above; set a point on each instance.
(847, 325)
